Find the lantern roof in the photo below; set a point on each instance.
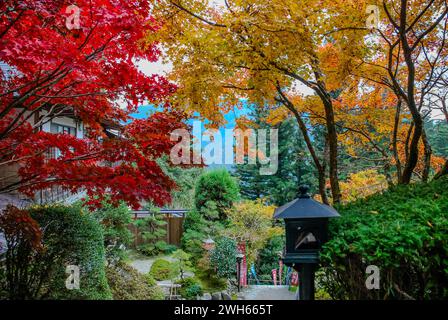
(304, 207)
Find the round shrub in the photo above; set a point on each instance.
(162, 269)
(193, 291)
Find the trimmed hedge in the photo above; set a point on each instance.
(72, 236)
(404, 232)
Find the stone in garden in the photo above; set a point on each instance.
(226, 296)
(207, 296)
(216, 296)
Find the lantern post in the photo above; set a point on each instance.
(306, 228)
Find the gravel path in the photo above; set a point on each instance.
(268, 293)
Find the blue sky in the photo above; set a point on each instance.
(230, 117)
(144, 111)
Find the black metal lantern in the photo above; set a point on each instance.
(306, 228)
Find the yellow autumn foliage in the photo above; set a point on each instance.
(251, 222)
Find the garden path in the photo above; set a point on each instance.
(268, 292)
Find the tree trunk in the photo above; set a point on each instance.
(319, 166)
(412, 160)
(428, 153)
(333, 152)
(395, 140)
(322, 185)
(409, 96)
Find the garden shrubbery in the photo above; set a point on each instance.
(250, 222)
(162, 269)
(126, 283)
(117, 236)
(223, 258)
(195, 231)
(190, 288)
(153, 231)
(404, 232)
(215, 193)
(268, 256)
(49, 239)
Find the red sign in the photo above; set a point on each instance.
(243, 270)
(274, 276)
(280, 269)
(294, 279)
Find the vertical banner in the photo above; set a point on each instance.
(294, 279)
(274, 276)
(243, 270)
(254, 273)
(280, 270)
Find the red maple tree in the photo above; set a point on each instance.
(60, 65)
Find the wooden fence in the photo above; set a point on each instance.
(174, 225)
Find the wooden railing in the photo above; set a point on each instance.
(52, 194)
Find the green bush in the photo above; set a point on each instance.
(127, 283)
(150, 280)
(166, 248)
(321, 294)
(210, 282)
(162, 270)
(223, 258)
(159, 247)
(153, 231)
(73, 236)
(193, 291)
(268, 256)
(117, 236)
(404, 232)
(66, 235)
(195, 231)
(190, 288)
(215, 193)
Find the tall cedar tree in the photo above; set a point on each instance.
(294, 165)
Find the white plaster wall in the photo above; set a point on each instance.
(66, 121)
